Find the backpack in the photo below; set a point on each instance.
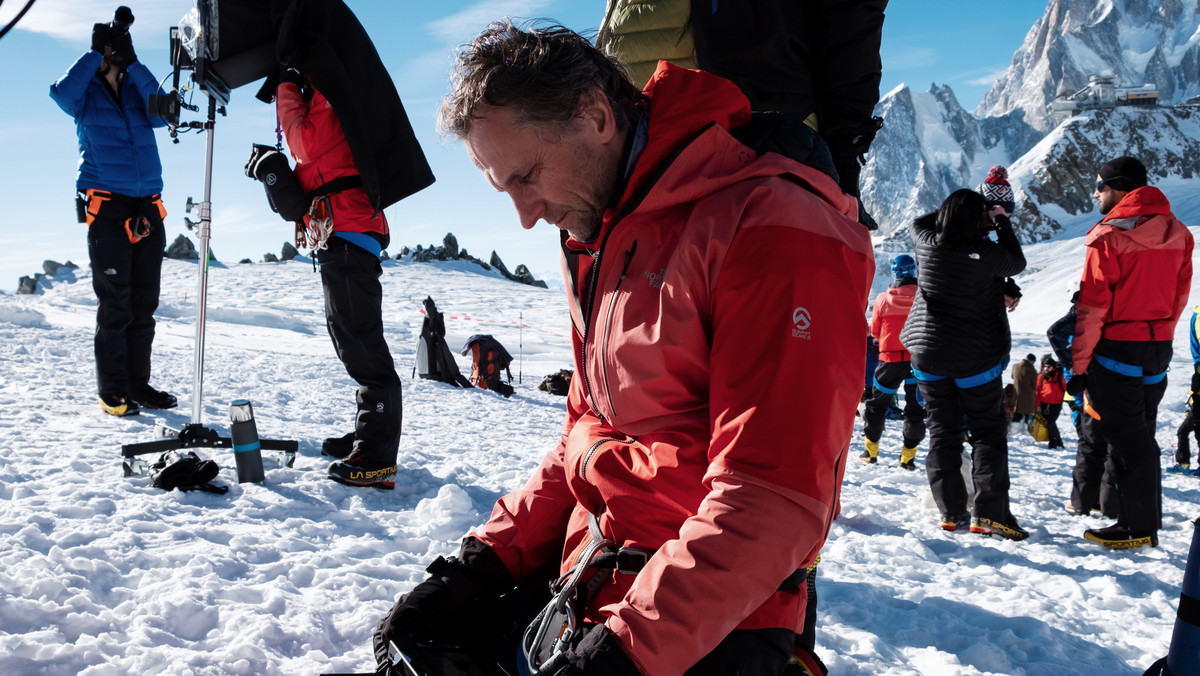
(557, 383)
(488, 359)
(435, 361)
(186, 471)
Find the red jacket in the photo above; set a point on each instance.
(727, 467)
(1050, 390)
(1137, 273)
(888, 314)
(318, 144)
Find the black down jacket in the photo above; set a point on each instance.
(958, 326)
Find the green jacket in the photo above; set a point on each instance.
(641, 32)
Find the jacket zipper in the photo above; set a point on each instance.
(608, 324)
(591, 452)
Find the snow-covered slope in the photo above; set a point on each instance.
(101, 574)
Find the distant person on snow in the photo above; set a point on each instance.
(681, 499)
(119, 189)
(1060, 334)
(1024, 377)
(1051, 386)
(1137, 273)
(888, 315)
(959, 340)
(348, 237)
(1183, 451)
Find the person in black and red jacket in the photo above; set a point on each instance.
(1051, 386)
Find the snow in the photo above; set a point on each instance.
(101, 574)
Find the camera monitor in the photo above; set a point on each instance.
(231, 43)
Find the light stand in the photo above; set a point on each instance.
(196, 434)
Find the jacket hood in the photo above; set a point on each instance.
(1135, 215)
(1144, 201)
(690, 153)
(682, 104)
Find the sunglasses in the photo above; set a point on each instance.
(1104, 181)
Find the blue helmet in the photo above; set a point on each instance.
(904, 266)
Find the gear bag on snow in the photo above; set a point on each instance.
(557, 383)
(488, 359)
(186, 471)
(435, 361)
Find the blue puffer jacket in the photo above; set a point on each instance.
(117, 148)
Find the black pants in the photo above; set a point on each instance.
(982, 408)
(354, 316)
(1050, 412)
(1183, 451)
(126, 278)
(1092, 480)
(1128, 408)
(890, 376)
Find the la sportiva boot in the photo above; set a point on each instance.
(1006, 528)
(1117, 536)
(953, 522)
(871, 455)
(360, 470)
(907, 457)
(118, 404)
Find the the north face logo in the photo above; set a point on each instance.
(656, 278)
(379, 407)
(801, 320)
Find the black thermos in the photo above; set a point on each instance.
(244, 433)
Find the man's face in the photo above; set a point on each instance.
(1107, 197)
(566, 181)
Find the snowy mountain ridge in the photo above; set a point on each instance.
(930, 146)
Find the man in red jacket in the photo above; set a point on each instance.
(1136, 277)
(888, 314)
(347, 237)
(691, 486)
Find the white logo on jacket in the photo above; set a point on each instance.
(973, 256)
(656, 279)
(801, 320)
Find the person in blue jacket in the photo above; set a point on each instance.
(119, 189)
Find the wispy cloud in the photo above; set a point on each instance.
(72, 20)
(910, 57)
(987, 79)
(463, 25)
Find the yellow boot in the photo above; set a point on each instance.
(907, 455)
(871, 455)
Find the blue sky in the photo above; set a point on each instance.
(963, 43)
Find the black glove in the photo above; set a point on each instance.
(1195, 382)
(1077, 384)
(101, 37)
(457, 604)
(291, 75)
(596, 654)
(122, 49)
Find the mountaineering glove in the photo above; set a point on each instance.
(101, 37)
(1077, 384)
(291, 75)
(1195, 383)
(122, 49)
(596, 654)
(458, 603)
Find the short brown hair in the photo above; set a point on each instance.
(544, 72)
